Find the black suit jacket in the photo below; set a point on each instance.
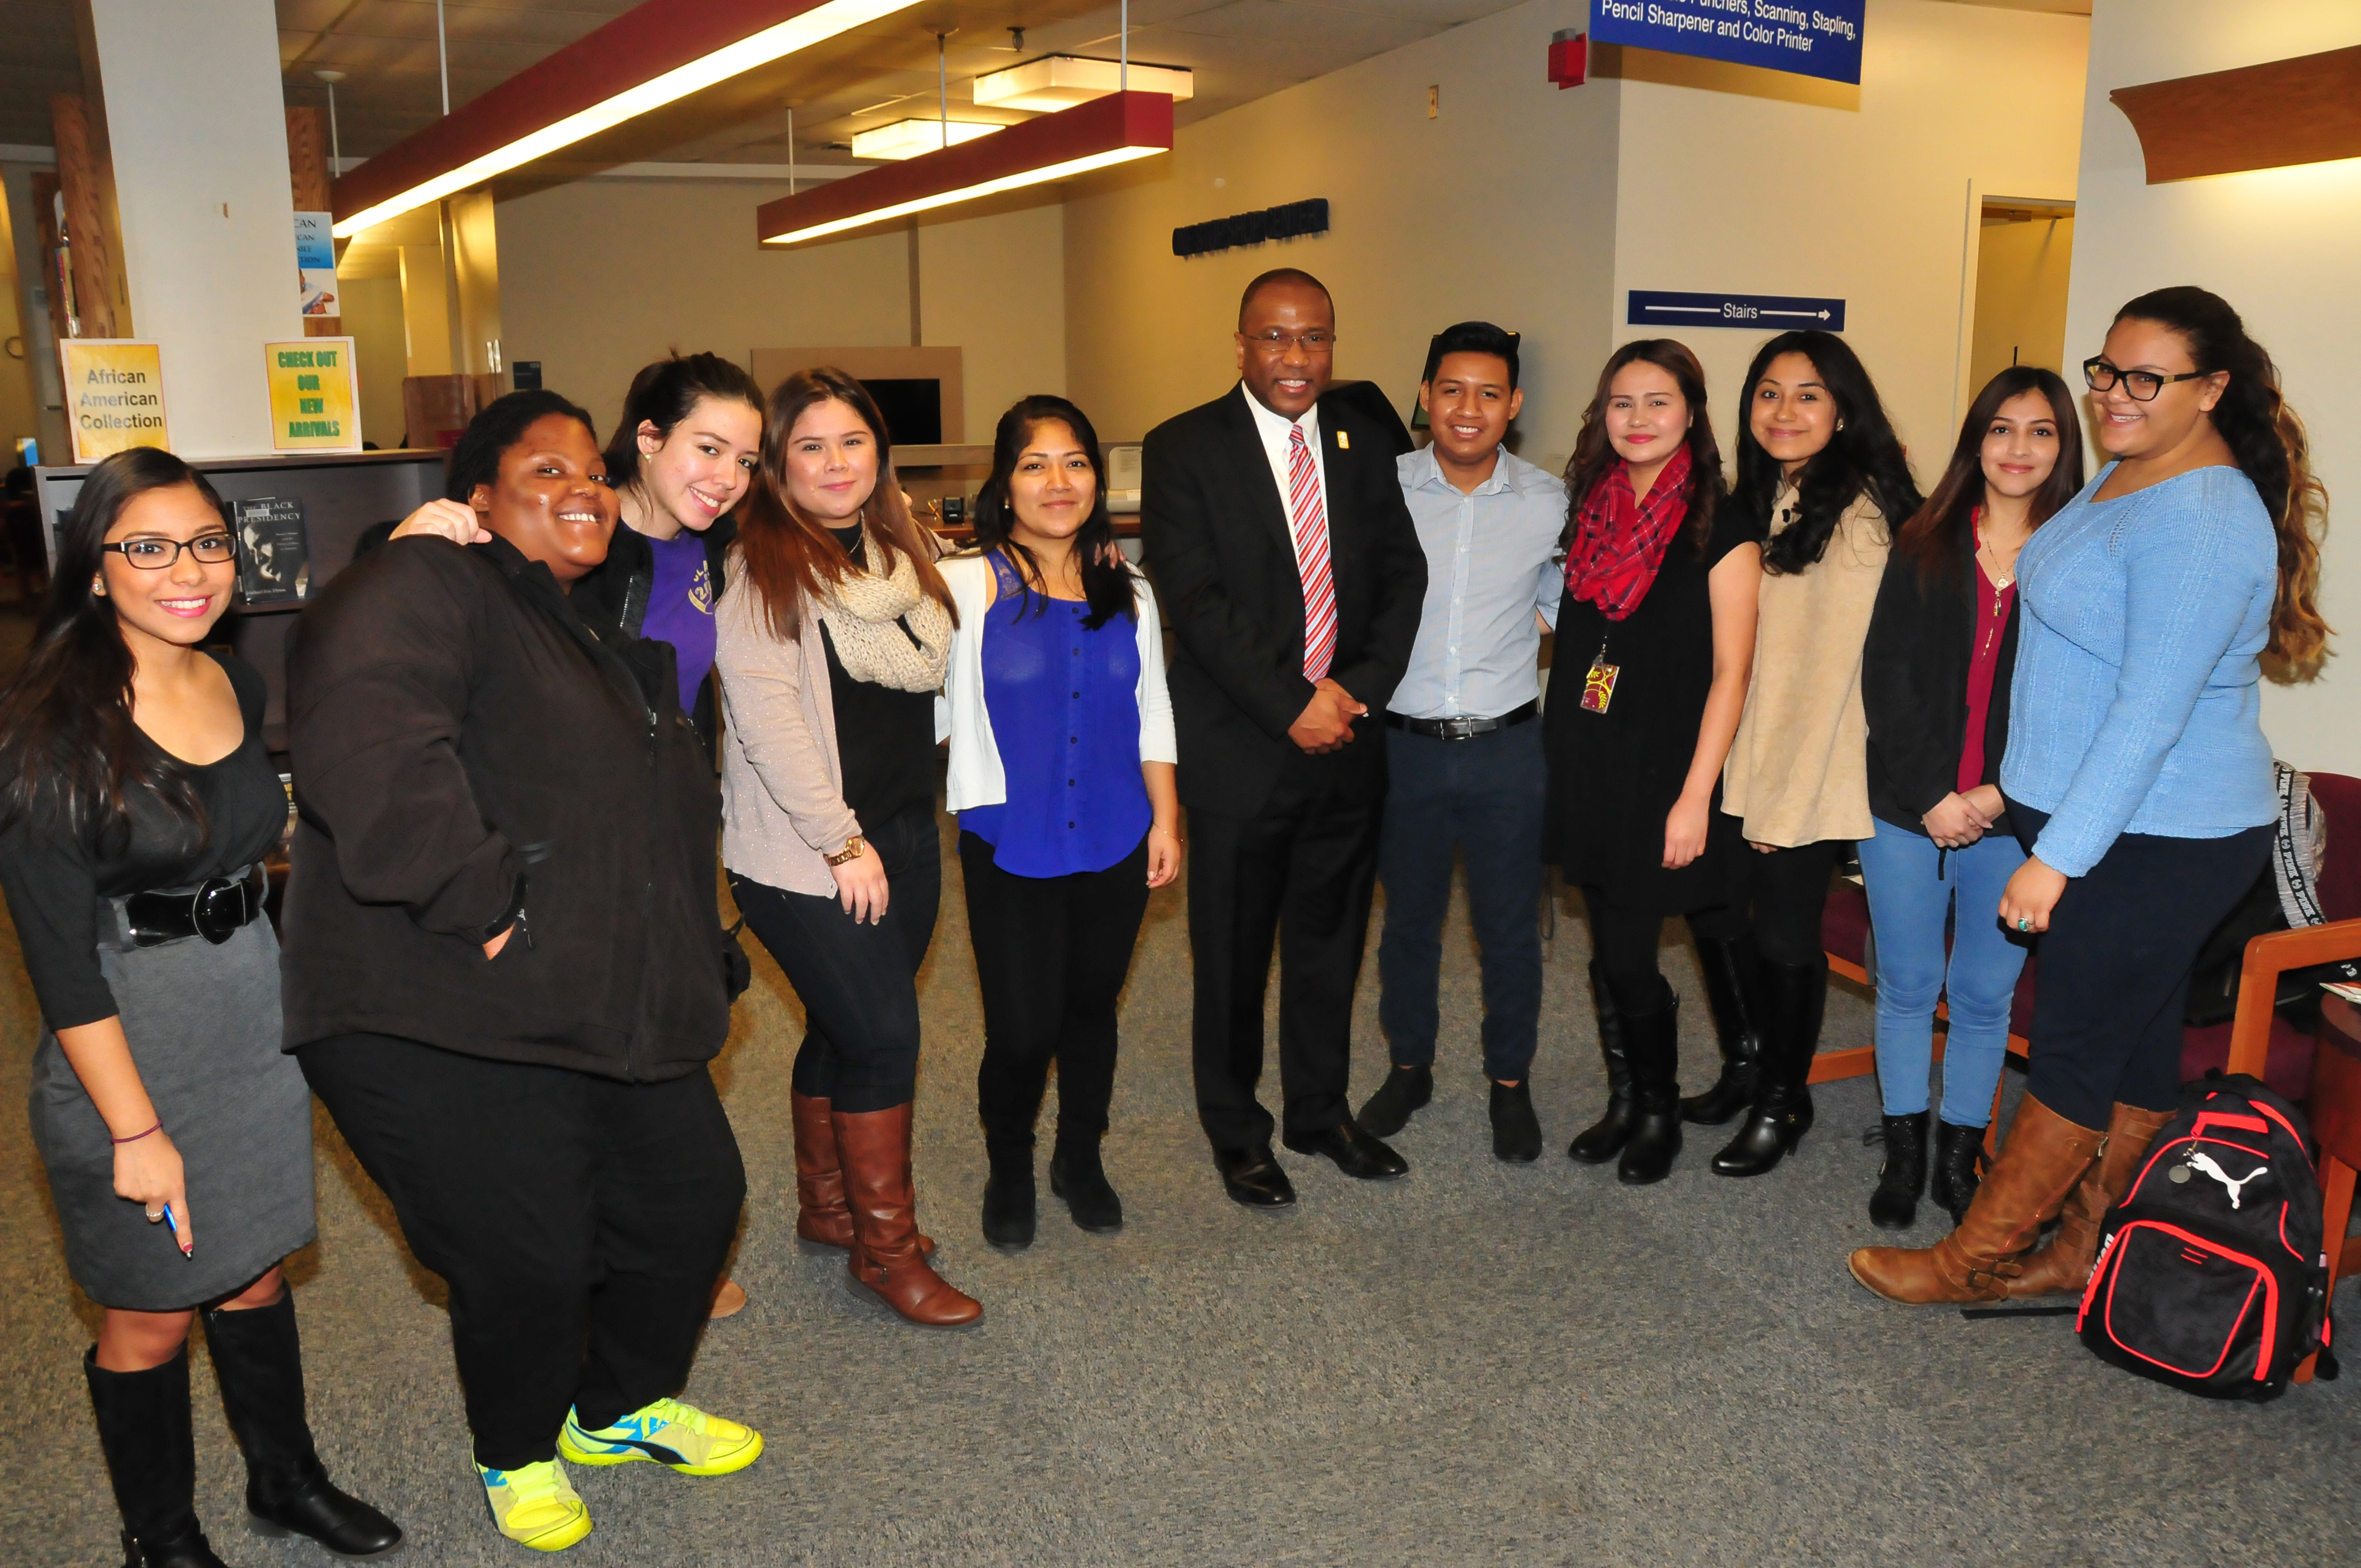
(1216, 533)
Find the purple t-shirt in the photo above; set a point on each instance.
(680, 609)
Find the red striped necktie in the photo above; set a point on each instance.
(1308, 516)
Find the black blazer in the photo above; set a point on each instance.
(1913, 688)
(1215, 534)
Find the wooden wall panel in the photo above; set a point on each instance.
(2305, 110)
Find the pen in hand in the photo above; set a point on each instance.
(188, 1249)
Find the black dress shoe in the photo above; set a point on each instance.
(1091, 1200)
(1357, 1154)
(1516, 1134)
(1405, 1090)
(1252, 1177)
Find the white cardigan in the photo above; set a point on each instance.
(976, 777)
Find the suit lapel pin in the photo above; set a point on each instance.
(1344, 441)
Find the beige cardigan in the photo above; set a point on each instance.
(1798, 770)
(781, 780)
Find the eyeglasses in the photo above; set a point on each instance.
(1277, 341)
(155, 555)
(2142, 386)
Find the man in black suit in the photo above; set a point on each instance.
(1293, 577)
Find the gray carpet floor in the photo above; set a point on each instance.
(1479, 1364)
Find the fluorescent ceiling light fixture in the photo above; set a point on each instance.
(655, 54)
(1062, 80)
(1106, 131)
(908, 138)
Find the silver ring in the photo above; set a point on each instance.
(154, 1215)
(2023, 924)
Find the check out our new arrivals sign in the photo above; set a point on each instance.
(1810, 37)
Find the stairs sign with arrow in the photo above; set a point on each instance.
(1755, 312)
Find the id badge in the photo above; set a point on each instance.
(1598, 684)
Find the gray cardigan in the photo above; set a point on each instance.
(783, 809)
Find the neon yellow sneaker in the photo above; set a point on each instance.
(535, 1505)
(680, 1437)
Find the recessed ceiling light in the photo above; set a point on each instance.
(1062, 80)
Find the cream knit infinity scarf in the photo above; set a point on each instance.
(864, 614)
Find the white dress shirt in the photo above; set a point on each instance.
(1491, 561)
(1273, 428)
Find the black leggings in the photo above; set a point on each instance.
(1623, 940)
(1788, 890)
(858, 980)
(1051, 955)
(2114, 980)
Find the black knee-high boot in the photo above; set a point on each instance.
(1733, 991)
(143, 1428)
(1794, 997)
(1652, 1041)
(259, 1361)
(1604, 1138)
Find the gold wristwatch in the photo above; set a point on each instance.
(855, 847)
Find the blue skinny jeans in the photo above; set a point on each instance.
(1907, 905)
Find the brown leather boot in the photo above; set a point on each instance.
(821, 1217)
(873, 1151)
(2064, 1266)
(2045, 1155)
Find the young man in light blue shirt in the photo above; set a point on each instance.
(1466, 770)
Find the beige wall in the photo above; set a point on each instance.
(372, 313)
(2022, 273)
(1502, 207)
(599, 277)
(2279, 243)
(1774, 185)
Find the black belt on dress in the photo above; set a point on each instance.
(1461, 729)
(214, 911)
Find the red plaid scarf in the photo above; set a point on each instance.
(1620, 539)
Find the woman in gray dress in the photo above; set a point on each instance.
(137, 805)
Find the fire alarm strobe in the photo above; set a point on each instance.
(1569, 58)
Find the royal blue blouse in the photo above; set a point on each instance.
(1064, 703)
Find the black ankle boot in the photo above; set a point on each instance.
(1959, 1163)
(1077, 1176)
(1793, 997)
(1894, 1205)
(1604, 1138)
(1732, 987)
(143, 1429)
(258, 1362)
(1516, 1130)
(1009, 1199)
(1653, 1043)
(1405, 1090)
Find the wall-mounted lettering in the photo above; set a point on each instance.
(1292, 221)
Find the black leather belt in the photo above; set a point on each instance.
(214, 911)
(1461, 729)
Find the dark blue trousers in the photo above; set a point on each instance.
(1481, 797)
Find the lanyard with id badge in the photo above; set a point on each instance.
(1599, 681)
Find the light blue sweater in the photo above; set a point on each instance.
(2135, 707)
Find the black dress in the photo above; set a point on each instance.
(203, 1025)
(1613, 776)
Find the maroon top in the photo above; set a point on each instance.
(1993, 605)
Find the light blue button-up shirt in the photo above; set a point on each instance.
(1490, 563)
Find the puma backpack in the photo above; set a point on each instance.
(2211, 1277)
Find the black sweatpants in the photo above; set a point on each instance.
(1300, 873)
(1623, 943)
(1050, 956)
(580, 1222)
(857, 980)
(2114, 980)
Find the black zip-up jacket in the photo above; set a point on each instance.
(468, 754)
(1913, 688)
(613, 597)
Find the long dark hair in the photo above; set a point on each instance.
(1106, 588)
(499, 425)
(2273, 451)
(666, 392)
(1863, 457)
(70, 753)
(787, 555)
(1594, 457)
(1930, 540)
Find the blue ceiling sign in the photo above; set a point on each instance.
(1810, 38)
(1761, 313)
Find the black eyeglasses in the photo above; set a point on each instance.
(155, 555)
(2141, 385)
(1277, 341)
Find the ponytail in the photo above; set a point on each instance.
(2272, 450)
